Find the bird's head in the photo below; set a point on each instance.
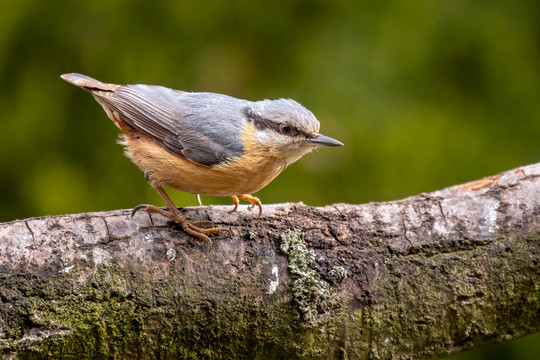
(286, 128)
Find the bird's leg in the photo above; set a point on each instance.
(199, 199)
(176, 216)
(254, 202)
(236, 202)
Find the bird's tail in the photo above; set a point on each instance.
(102, 92)
(87, 83)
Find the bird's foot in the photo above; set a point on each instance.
(252, 199)
(235, 202)
(191, 227)
(254, 202)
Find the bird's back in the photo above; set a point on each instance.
(203, 127)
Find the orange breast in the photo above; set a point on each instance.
(243, 175)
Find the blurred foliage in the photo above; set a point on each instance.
(424, 94)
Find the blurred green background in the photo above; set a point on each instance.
(424, 94)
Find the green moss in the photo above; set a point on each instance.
(119, 313)
(534, 296)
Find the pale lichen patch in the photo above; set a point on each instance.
(440, 227)
(488, 218)
(67, 269)
(338, 273)
(171, 254)
(312, 295)
(148, 238)
(274, 283)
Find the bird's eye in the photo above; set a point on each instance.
(285, 129)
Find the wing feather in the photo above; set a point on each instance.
(205, 128)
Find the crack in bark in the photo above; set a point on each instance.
(151, 219)
(442, 212)
(332, 233)
(31, 232)
(405, 232)
(107, 228)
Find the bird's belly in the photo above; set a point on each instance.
(167, 170)
(218, 182)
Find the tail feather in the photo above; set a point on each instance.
(101, 92)
(88, 83)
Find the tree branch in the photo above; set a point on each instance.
(423, 277)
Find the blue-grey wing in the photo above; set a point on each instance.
(206, 128)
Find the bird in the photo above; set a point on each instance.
(205, 143)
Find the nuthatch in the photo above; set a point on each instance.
(205, 143)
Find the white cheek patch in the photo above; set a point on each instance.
(271, 138)
(290, 149)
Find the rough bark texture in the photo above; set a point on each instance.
(422, 277)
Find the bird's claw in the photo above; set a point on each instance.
(191, 227)
(235, 202)
(138, 208)
(252, 199)
(254, 202)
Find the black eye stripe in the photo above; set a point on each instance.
(261, 123)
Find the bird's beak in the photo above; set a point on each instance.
(322, 140)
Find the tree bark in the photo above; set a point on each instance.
(423, 277)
